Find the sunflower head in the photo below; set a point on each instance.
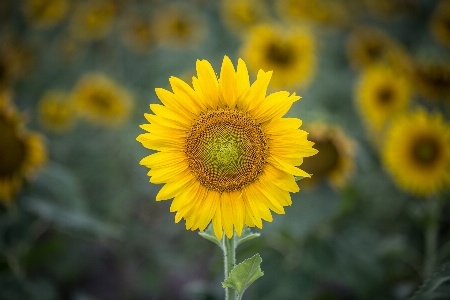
(417, 153)
(179, 27)
(440, 23)
(381, 93)
(93, 20)
(225, 154)
(369, 45)
(241, 15)
(136, 33)
(290, 54)
(321, 11)
(46, 13)
(102, 100)
(21, 151)
(432, 79)
(56, 111)
(335, 160)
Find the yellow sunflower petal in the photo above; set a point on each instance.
(169, 190)
(227, 83)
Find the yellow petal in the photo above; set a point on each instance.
(185, 197)
(238, 211)
(281, 126)
(162, 159)
(171, 189)
(207, 84)
(165, 112)
(242, 79)
(281, 165)
(167, 174)
(179, 103)
(283, 180)
(217, 222)
(165, 122)
(190, 99)
(227, 214)
(208, 209)
(257, 92)
(227, 83)
(269, 104)
(252, 210)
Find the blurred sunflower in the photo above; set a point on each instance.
(321, 11)
(225, 152)
(241, 15)
(432, 79)
(335, 160)
(417, 153)
(136, 33)
(291, 54)
(102, 100)
(179, 26)
(21, 152)
(381, 93)
(45, 13)
(93, 20)
(388, 9)
(369, 45)
(440, 23)
(56, 111)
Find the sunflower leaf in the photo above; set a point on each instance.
(437, 287)
(211, 236)
(244, 274)
(246, 235)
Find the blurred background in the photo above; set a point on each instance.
(78, 217)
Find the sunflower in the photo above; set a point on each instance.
(45, 13)
(178, 26)
(241, 15)
(56, 111)
(21, 152)
(417, 153)
(93, 20)
(136, 33)
(225, 152)
(369, 45)
(102, 100)
(335, 159)
(432, 79)
(440, 23)
(388, 9)
(381, 93)
(320, 11)
(289, 53)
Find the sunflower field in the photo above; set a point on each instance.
(140, 139)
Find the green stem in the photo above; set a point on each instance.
(229, 259)
(431, 237)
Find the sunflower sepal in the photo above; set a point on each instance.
(297, 178)
(211, 236)
(246, 235)
(244, 274)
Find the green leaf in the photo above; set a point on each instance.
(246, 235)
(244, 274)
(437, 287)
(211, 236)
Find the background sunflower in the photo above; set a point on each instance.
(86, 225)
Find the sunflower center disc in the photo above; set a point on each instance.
(385, 95)
(226, 150)
(280, 54)
(12, 150)
(426, 151)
